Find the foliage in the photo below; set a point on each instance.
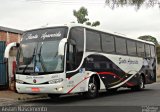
(96, 23)
(149, 38)
(136, 3)
(81, 17)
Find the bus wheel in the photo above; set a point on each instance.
(54, 96)
(92, 89)
(140, 86)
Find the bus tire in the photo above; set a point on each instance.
(92, 89)
(140, 85)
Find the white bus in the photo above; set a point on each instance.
(79, 59)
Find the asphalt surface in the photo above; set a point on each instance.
(124, 97)
(124, 100)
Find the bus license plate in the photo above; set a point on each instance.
(35, 89)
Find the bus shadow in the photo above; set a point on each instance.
(122, 91)
(67, 99)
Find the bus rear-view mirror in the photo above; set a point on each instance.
(61, 46)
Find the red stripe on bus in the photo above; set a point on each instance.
(113, 74)
(130, 84)
(109, 73)
(77, 85)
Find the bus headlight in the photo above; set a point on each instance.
(55, 81)
(19, 81)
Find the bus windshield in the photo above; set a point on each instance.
(39, 52)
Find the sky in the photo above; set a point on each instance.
(30, 14)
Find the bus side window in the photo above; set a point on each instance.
(70, 62)
(147, 50)
(152, 51)
(140, 49)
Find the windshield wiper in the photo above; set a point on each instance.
(41, 59)
(30, 60)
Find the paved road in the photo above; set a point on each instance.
(125, 98)
(7, 102)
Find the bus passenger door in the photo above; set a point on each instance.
(71, 57)
(74, 59)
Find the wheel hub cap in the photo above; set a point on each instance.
(92, 87)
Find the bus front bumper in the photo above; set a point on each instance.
(44, 88)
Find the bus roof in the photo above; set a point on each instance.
(109, 32)
(70, 25)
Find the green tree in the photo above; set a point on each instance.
(149, 38)
(81, 16)
(96, 23)
(136, 3)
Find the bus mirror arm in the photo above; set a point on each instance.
(61, 46)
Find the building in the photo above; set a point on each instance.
(7, 36)
(10, 35)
